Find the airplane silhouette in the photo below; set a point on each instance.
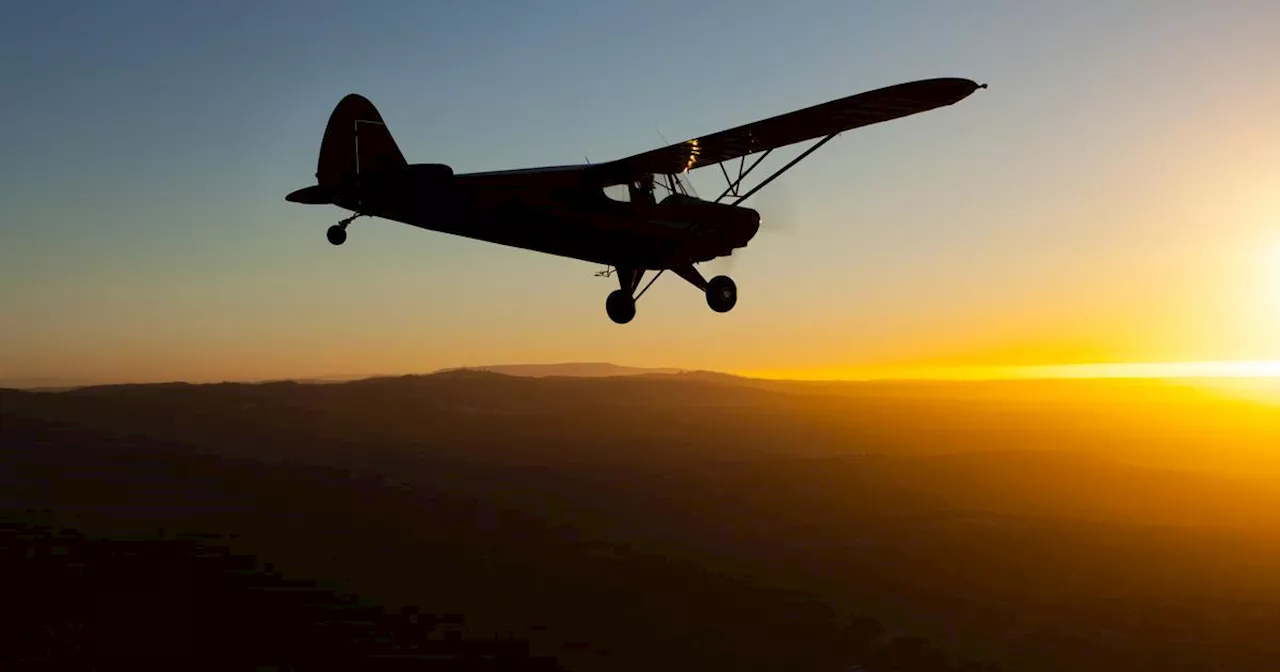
(566, 211)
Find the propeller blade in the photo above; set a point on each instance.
(776, 210)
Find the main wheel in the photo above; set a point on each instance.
(722, 294)
(336, 234)
(620, 306)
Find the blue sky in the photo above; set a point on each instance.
(1109, 198)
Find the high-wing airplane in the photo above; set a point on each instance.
(566, 210)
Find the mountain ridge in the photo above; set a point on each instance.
(567, 370)
(556, 370)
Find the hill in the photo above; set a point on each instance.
(569, 370)
(471, 416)
(707, 519)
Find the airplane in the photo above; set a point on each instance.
(567, 210)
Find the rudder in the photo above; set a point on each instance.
(356, 140)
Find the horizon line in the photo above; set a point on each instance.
(1085, 370)
(1219, 369)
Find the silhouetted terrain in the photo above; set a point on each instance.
(569, 370)
(696, 520)
(190, 603)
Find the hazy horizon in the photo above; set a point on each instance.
(1259, 375)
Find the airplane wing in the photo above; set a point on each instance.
(863, 109)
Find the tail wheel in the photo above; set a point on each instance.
(722, 294)
(620, 306)
(336, 234)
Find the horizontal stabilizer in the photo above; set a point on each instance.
(313, 195)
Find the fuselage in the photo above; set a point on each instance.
(556, 210)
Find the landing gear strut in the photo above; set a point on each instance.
(337, 234)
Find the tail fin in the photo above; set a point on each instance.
(356, 140)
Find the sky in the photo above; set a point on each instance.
(1113, 197)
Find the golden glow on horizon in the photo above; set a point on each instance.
(1223, 369)
(1274, 274)
(1264, 369)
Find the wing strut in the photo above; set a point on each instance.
(732, 189)
(778, 173)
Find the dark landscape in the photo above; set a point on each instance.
(655, 521)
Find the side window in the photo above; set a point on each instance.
(618, 192)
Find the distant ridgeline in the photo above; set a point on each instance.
(70, 599)
(569, 370)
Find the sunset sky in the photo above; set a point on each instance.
(1113, 197)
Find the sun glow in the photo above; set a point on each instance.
(1256, 381)
(1214, 369)
(1245, 369)
(1273, 274)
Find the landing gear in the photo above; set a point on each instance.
(620, 306)
(337, 234)
(722, 294)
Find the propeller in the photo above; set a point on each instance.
(776, 210)
(776, 218)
